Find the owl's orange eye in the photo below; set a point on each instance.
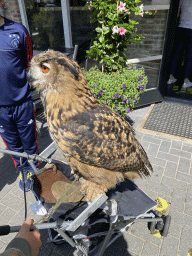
(45, 69)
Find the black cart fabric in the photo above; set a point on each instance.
(131, 200)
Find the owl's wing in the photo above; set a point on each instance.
(101, 138)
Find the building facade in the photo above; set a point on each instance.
(61, 24)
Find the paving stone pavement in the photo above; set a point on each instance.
(171, 180)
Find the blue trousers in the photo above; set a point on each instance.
(18, 131)
(183, 40)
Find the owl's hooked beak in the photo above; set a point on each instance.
(30, 80)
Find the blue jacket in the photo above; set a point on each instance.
(15, 54)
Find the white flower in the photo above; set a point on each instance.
(141, 7)
(127, 11)
(89, 7)
(115, 29)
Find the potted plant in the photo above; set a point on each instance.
(118, 90)
(113, 82)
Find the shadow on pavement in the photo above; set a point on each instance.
(8, 172)
(118, 248)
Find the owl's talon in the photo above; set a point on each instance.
(92, 190)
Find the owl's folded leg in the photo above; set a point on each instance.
(91, 190)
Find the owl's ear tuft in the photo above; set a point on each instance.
(70, 67)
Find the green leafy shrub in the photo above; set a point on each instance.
(118, 90)
(115, 85)
(115, 30)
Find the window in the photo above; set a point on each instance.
(45, 24)
(81, 28)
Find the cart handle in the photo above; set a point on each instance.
(5, 230)
(32, 157)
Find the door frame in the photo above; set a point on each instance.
(154, 95)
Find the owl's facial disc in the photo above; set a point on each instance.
(37, 73)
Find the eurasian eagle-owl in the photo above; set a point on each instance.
(96, 141)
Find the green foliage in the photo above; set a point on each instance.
(109, 46)
(190, 252)
(119, 90)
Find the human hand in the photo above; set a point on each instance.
(33, 237)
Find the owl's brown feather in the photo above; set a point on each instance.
(96, 141)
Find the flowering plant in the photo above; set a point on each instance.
(115, 30)
(118, 90)
(2, 4)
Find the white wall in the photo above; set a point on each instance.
(161, 2)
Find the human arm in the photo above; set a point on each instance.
(26, 242)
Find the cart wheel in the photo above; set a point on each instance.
(152, 225)
(160, 225)
(167, 222)
(157, 213)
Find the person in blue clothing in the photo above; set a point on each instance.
(17, 118)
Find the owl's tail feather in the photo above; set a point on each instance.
(143, 172)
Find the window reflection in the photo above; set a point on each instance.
(153, 28)
(152, 69)
(45, 24)
(81, 28)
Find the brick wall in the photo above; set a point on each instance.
(12, 10)
(153, 28)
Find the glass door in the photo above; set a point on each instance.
(149, 53)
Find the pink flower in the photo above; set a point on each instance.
(122, 6)
(2, 4)
(115, 29)
(141, 13)
(122, 31)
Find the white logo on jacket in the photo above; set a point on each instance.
(15, 40)
(30, 121)
(1, 129)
